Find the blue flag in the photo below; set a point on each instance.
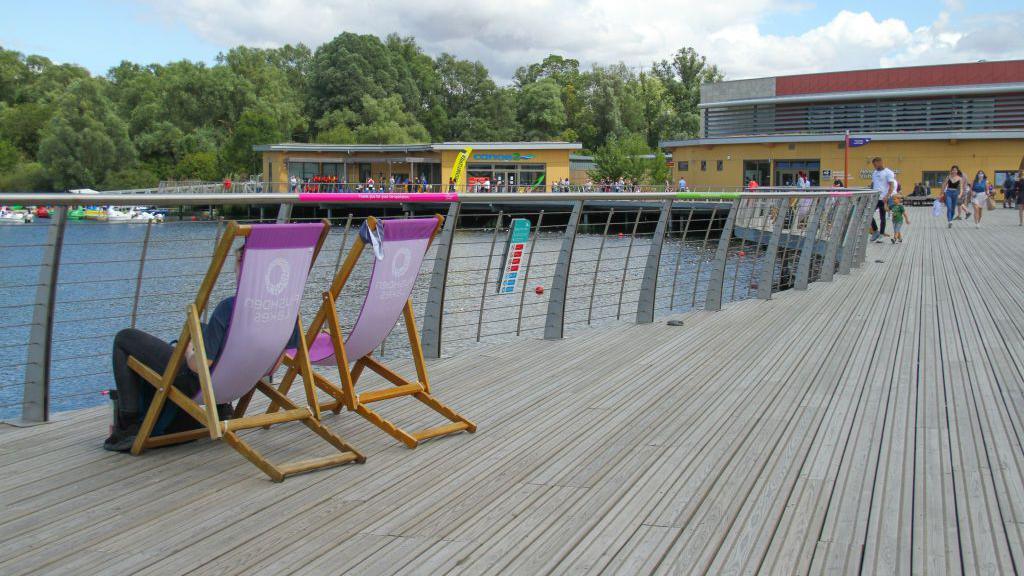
(855, 142)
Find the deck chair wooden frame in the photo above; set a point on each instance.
(345, 395)
(191, 332)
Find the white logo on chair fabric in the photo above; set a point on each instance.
(277, 276)
(400, 265)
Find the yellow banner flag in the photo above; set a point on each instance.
(460, 165)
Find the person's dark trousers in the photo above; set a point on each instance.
(133, 392)
(881, 217)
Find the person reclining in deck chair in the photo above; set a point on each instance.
(133, 394)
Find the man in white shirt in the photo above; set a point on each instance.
(682, 184)
(883, 182)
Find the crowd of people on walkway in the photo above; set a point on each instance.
(969, 200)
(963, 199)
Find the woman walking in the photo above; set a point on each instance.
(1019, 189)
(979, 196)
(954, 188)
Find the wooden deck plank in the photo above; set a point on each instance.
(873, 424)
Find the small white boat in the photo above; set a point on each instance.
(115, 215)
(12, 217)
(132, 214)
(144, 216)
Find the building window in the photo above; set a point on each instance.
(683, 165)
(523, 177)
(719, 165)
(703, 165)
(303, 170)
(934, 178)
(758, 171)
(332, 169)
(1001, 177)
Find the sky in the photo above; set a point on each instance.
(745, 38)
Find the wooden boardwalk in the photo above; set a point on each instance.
(871, 425)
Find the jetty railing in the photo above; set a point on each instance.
(580, 259)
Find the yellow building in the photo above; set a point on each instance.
(524, 165)
(920, 120)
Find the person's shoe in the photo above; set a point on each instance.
(121, 440)
(949, 224)
(893, 240)
(977, 225)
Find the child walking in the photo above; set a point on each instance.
(899, 216)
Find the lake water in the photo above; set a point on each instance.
(96, 293)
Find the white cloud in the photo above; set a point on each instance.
(508, 34)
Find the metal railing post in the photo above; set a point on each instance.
(835, 232)
(862, 246)
(713, 301)
(554, 323)
(138, 276)
(284, 213)
(35, 408)
(434, 308)
(808, 246)
(344, 244)
(764, 284)
(649, 284)
(854, 215)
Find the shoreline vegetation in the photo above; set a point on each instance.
(62, 128)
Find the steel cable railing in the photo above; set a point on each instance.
(619, 259)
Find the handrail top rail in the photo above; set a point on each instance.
(268, 198)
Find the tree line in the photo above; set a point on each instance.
(61, 127)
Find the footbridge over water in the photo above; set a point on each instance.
(869, 420)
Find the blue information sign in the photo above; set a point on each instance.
(515, 266)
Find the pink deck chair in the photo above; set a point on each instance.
(398, 250)
(276, 261)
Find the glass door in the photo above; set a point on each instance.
(758, 171)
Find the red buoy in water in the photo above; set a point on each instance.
(742, 253)
(193, 218)
(621, 235)
(539, 290)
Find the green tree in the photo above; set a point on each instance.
(9, 156)
(46, 81)
(14, 75)
(682, 77)
(630, 157)
(466, 91)
(259, 124)
(25, 177)
(22, 123)
(336, 127)
(198, 166)
(384, 122)
(563, 71)
(494, 119)
(655, 107)
(541, 111)
(130, 179)
(84, 140)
